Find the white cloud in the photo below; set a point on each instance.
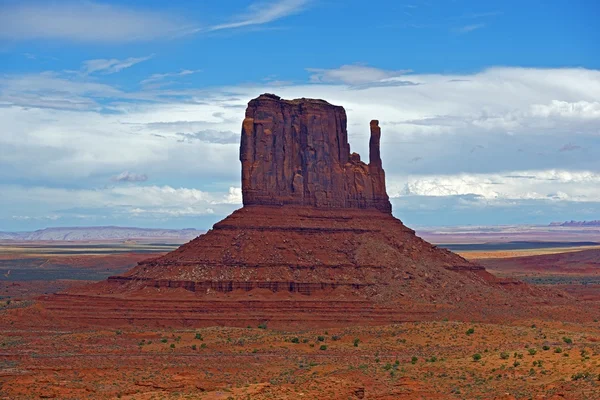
(264, 12)
(159, 77)
(551, 185)
(111, 66)
(353, 75)
(85, 21)
(151, 201)
(445, 135)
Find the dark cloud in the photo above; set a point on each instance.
(127, 176)
(569, 147)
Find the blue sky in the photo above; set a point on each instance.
(129, 113)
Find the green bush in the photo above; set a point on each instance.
(262, 326)
(476, 357)
(356, 342)
(546, 347)
(470, 331)
(198, 336)
(295, 340)
(194, 347)
(321, 338)
(172, 345)
(323, 347)
(164, 340)
(567, 340)
(414, 360)
(532, 352)
(558, 350)
(504, 355)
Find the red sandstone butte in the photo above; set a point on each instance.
(314, 244)
(297, 152)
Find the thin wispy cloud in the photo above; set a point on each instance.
(469, 28)
(154, 78)
(264, 12)
(354, 75)
(85, 22)
(479, 15)
(111, 66)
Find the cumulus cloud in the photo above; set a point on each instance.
(437, 137)
(85, 22)
(124, 201)
(127, 176)
(556, 185)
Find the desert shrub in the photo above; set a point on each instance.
(321, 338)
(304, 340)
(194, 347)
(336, 337)
(504, 355)
(164, 340)
(295, 340)
(581, 375)
(262, 326)
(532, 351)
(323, 347)
(476, 357)
(470, 331)
(414, 360)
(432, 359)
(567, 340)
(546, 347)
(558, 350)
(516, 364)
(118, 332)
(172, 345)
(198, 336)
(387, 366)
(356, 342)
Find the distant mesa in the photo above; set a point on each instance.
(577, 223)
(99, 233)
(314, 244)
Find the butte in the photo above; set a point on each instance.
(315, 244)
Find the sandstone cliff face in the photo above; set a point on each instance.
(297, 152)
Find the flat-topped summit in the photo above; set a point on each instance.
(297, 152)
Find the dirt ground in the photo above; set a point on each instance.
(445, 359)
(524, 359)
